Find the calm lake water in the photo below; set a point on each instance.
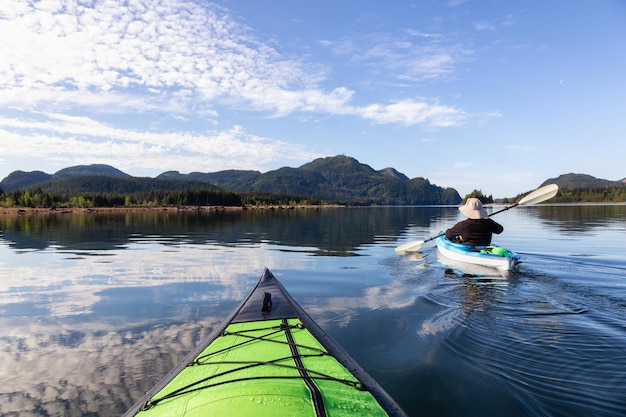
(95, 309)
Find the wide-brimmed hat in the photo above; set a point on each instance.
(473, 209)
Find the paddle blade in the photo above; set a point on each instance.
(539, 195)
(410, 246)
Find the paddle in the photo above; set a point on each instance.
(539, 195)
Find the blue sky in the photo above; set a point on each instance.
(490, 95)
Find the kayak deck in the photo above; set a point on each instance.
(501, 259)
(269, 358)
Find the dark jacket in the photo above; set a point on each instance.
(475, 232)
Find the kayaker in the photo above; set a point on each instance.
(477, 229)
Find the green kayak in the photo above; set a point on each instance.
(269, 358)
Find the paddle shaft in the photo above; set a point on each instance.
(504, 209)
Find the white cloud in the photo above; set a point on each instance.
(413, 55)
(78, 140)
(409, 112)
(483, 25)
(176, 56)
(136, 84)
(114, 47)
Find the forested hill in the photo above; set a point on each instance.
(575, 188)
(22, 180)
(338, 179)
(572, 181)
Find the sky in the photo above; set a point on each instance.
(496, 96)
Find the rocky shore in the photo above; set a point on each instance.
(28, 211)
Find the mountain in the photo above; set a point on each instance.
(393, 173)
(232, 179)
(90, 170)
(101, 184)
(573, 181)
(335, 179)
(20, 179)
(338, 179)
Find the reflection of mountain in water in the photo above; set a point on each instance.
(580, 218)
(337, 231)
(330, 230)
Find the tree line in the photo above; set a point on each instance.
(38, 198)
(591, 195)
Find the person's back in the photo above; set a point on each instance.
(477, 229)
(476, 232)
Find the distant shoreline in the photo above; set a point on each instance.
(30, 211)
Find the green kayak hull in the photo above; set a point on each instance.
(269, 358)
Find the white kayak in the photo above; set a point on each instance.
(490, 256)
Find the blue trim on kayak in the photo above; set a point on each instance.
(479, 255)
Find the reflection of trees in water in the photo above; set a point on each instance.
(580, 218)
(331, 230)
(336, 230)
